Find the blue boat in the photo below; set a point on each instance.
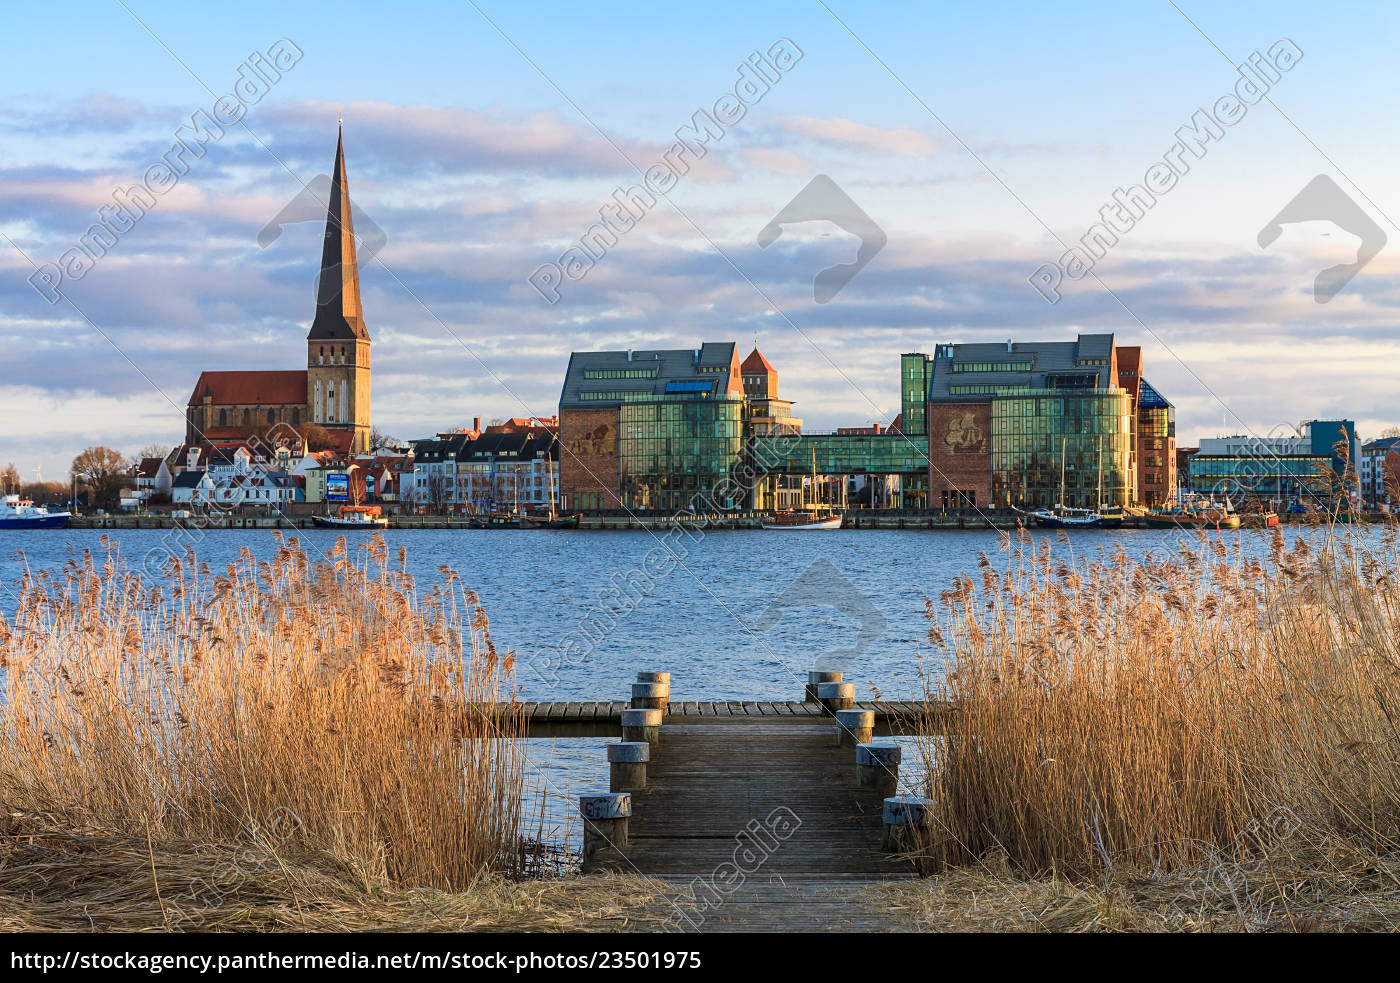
(21, 513)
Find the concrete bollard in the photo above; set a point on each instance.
(877, 768)
(814, 679)
(604, 825)
(837, 696)
(906, 816)
(627, 765)
(854, 727)
(650, 696)
(641, 725)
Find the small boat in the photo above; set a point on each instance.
(1202, 517)
(1260, 520)
(352, 517)
(802, 519)
(553, 521)
(495, 520)
(21, 513)
(1063, 517)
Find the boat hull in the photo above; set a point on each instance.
(331, 522)
(1191, 522)
(59, 521)
(1099, 523)
(815, 526)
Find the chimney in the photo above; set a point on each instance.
(476, 423)
(629, 354)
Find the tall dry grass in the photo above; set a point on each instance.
(320, 703)
(1199, 709)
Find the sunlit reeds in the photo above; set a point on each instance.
(322, 703)
(1185, 710)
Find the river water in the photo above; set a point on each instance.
(733, 615)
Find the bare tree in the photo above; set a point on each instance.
(9, 479)
(1390, 432)
(153, 450)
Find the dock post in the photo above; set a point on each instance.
(814, 679)
(627, 765)
(604, 825)
(906, 816)
(836, 696)
(854, 727)
(877, 767)
(655, 677)
(650, 696)
(641, 725)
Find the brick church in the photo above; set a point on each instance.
(333, 390)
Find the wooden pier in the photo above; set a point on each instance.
(752, 812)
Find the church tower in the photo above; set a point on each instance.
(337, 348)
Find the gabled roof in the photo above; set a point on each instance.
(149, 466)
(275, 387)
(756, 363)
(189, 478)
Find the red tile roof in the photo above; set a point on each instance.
(258, 388)
(756, 363)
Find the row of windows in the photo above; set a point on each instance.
(1021, 366)
(987, 389)
(620, 373)
(271, 417)
(613, 395)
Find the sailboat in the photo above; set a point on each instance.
(554, 520)
(810, 517)
(1064, 517)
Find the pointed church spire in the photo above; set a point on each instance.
(338, 312)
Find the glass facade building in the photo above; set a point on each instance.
(913, 393)
(672, 449)
(1086, 437)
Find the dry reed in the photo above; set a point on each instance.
(1199, 711)
(287, 704)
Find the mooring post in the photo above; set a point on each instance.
(814, 679)
(836, 696)
(627, 765)
(641, 725)
(906, 816)
(650, 696)
(604, 825)
(877, 767)
(854, 727)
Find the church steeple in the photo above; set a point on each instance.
(338, 311)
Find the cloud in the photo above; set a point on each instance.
(861, 136)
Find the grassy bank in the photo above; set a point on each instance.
(1196, 718)
(296, 706)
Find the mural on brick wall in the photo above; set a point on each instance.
(592, 442)
(962, 435)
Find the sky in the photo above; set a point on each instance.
(981, 140)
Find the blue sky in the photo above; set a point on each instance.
(986, 125)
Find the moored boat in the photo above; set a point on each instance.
(21, 513)
(1210, 517)
(1064, 517)
(495, 520)
(352, 517)
(802, 519)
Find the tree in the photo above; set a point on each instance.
(9, 479)
(103, 472)
(317, 437)
(378, 438)
(1390, 432)
(152, 450)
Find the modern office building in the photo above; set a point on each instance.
(653, 429)
(1378, 463)
(1279, 467)
(1033, 424)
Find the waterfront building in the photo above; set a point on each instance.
(653, 429)
(508, 465)
(1378, 458)
(1279, 466)
(1035, 424)
(333, 391)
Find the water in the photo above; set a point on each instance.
(742, 616)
